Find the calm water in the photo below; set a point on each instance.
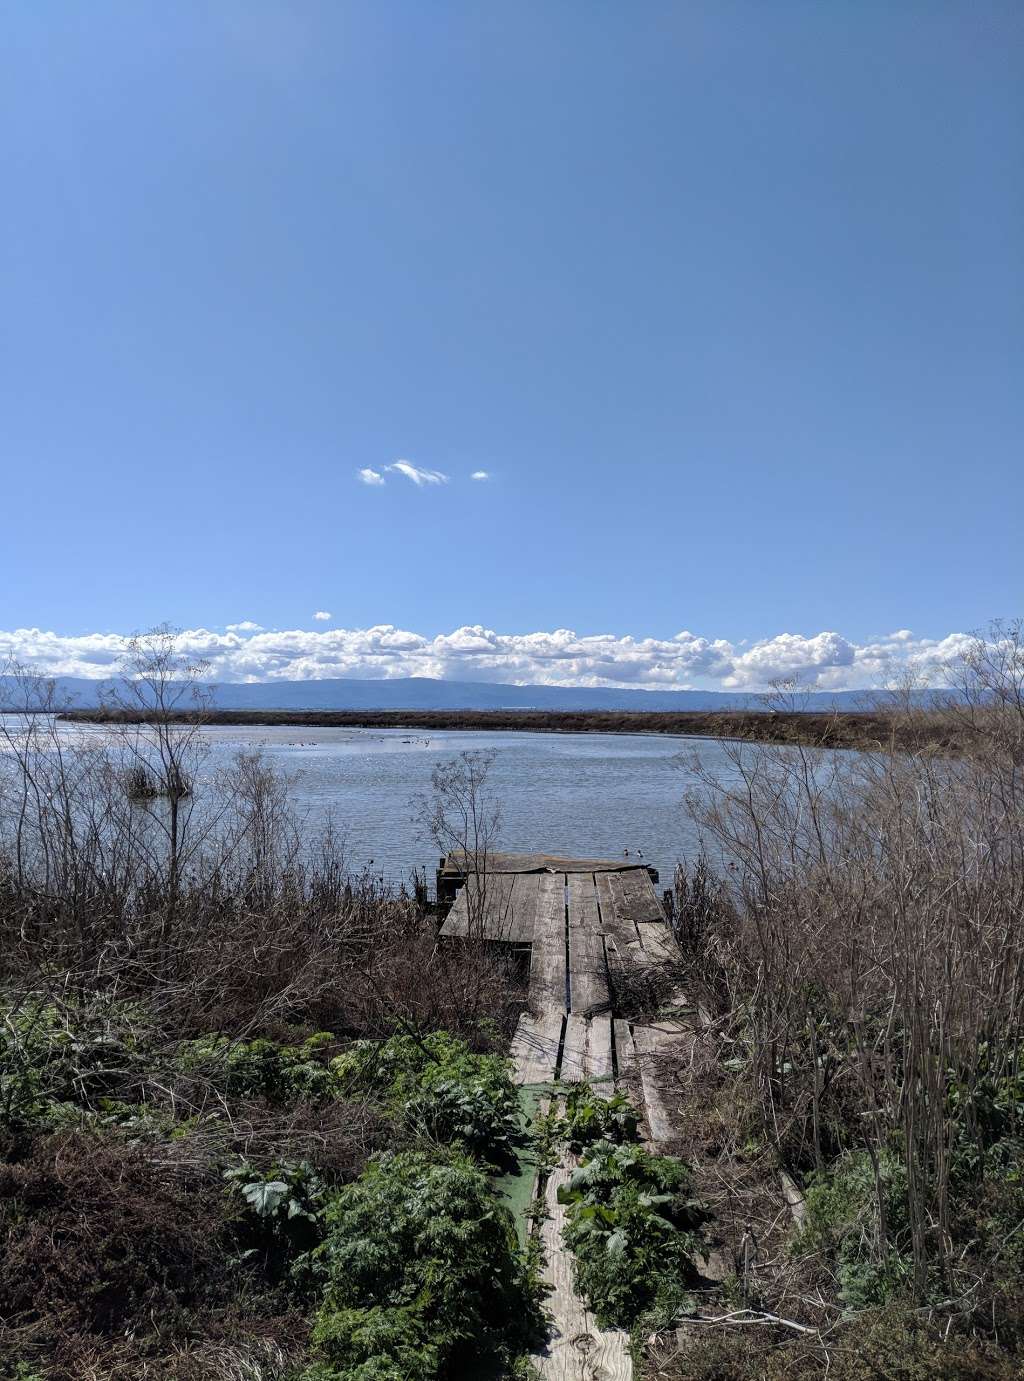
(589, 794)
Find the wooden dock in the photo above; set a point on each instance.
(582, 919)
(457, 867)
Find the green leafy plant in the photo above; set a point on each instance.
(263, 1068)
(283, 1219)
(422, 1270)
(631, 1227)
(589, 1118)
(843, 1222)
(442, 1089)
(59, 1063)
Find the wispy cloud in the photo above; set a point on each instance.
(419, 476)
(480, 475)
(369, 476)
(246, 626)
(558, 657)
(322, 616)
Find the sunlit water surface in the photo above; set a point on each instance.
(585, 794)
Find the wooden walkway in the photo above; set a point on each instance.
(582, 918)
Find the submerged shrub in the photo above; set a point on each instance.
(140, 784)
(422, 1268)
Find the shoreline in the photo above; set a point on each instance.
(868, 731)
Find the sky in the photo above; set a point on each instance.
(664, 343)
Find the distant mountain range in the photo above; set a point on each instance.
(422, 693)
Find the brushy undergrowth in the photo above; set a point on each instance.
(183, 976)
(877, 1345)
(631, 1227)
(423, 1272)
(264, 1068)
(631, 1223)
(854, 934)
(150, 1179)
(441, 1089)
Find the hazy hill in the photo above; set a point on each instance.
(421, 693)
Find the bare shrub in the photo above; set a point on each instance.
(872, 956)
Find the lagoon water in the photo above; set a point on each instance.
(583, 794)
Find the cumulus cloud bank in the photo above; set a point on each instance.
(245, 652)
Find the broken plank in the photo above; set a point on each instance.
(649, 1050)
(535, 1048)
(637, 900)
(614, 920)
(658, 944)
(482, 909)
(794, 1197)
(574, 1050)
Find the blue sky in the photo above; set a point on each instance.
(725, 299)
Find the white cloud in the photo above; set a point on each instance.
(824, 661)
(418, 476)
(246, 626)
(369, 476)
(480, 475)
(322, 616)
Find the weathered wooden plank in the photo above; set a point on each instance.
(621, 940)
(524, 906)
(482, 910)
(632, 915)
(583, 911)
(588, 979)
(547, 956)
(599, 1055)
(637, 898)
(577, 1349)
(574, 1050)
(615, 919)
(588, 968)
(658, 945)
(535, 1047)
(655, 1042)
(625, 1050)
(794, 1197)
